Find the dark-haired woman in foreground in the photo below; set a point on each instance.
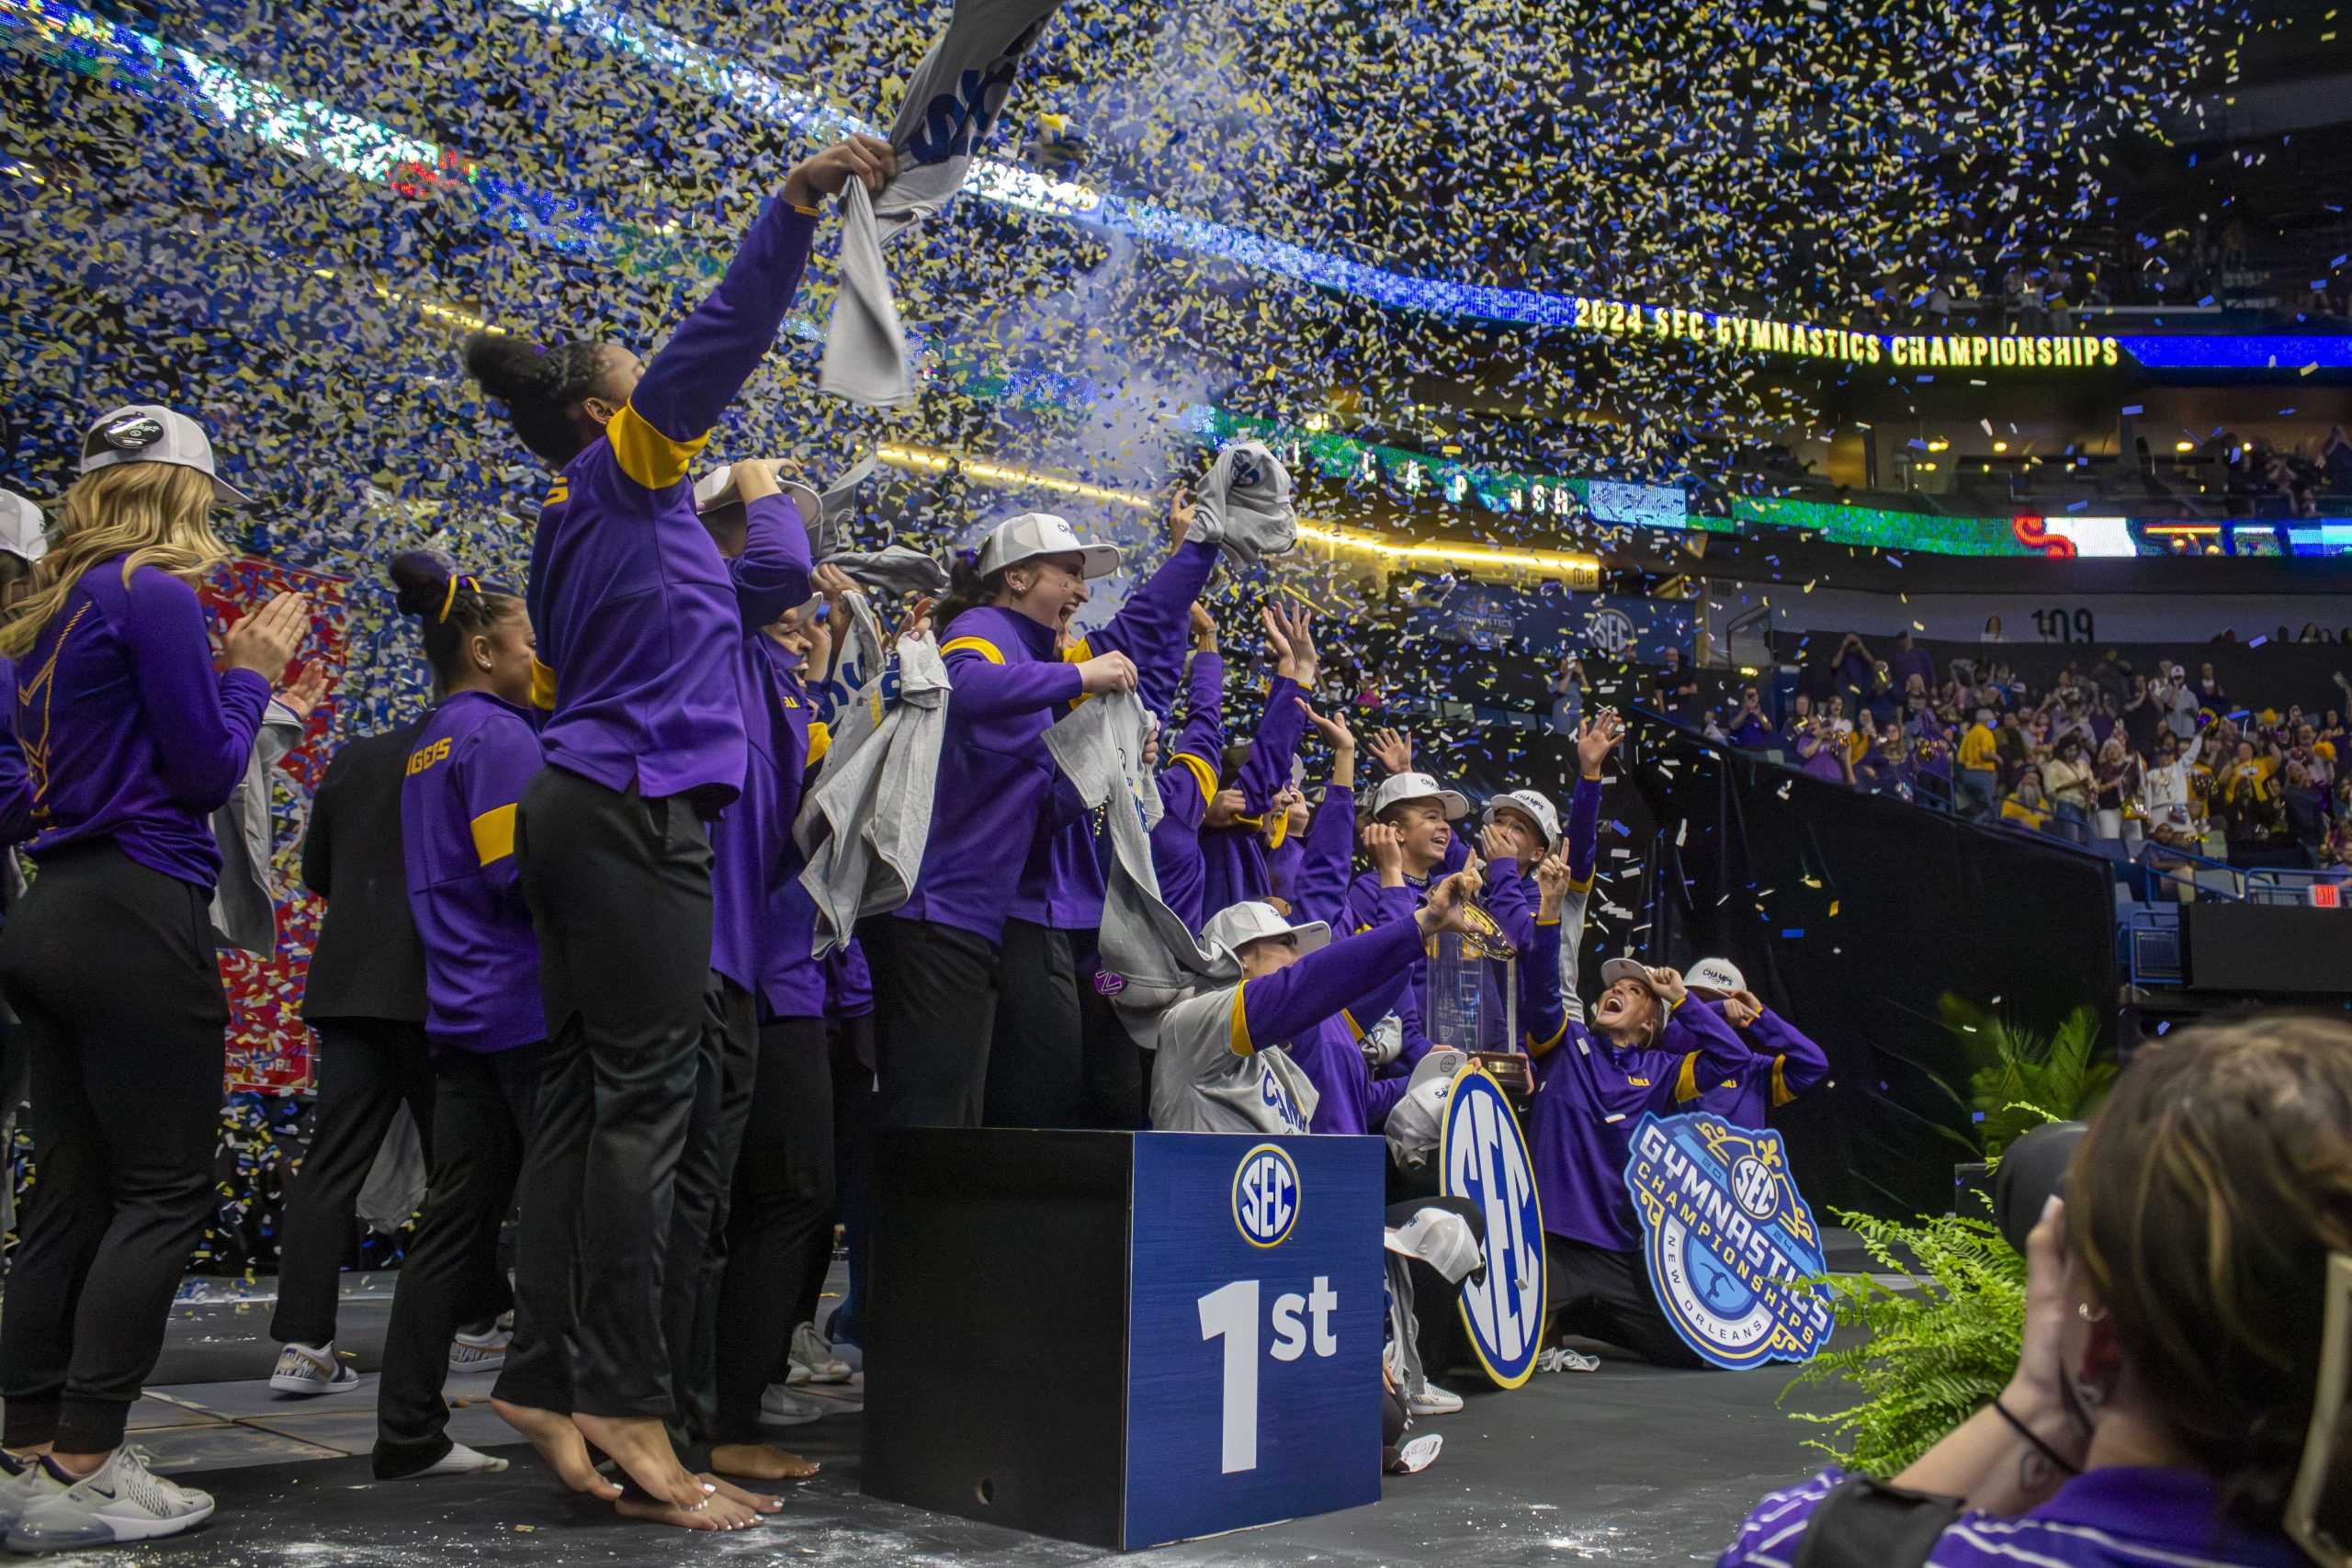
(467, 770)
(636, 628)
(2171, 1334)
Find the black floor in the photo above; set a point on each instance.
(1625, 1465)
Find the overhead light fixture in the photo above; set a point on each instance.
(1939, 444)
(2000, 445)
(2184, 445)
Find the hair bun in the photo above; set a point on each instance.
(506, 365)
(421, 580)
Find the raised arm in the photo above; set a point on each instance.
(1149, 628)
(1798, 1063)
(204, 724)
(771, 575)
(1272, 1007)
(1715, 1051)
(1542, 1018)
(1189, 783)
(697, 373)
(1320, 889)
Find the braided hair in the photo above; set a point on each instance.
(540, 387)
(451, 605)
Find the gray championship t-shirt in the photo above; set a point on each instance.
(1201, 1084)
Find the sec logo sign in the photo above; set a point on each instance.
(1483, 1158)
(1265, 1196)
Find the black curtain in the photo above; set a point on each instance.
(1851, 916)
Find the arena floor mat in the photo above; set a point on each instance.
(1629, 1464)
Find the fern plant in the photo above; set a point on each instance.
(2030, 1077)
(1933, 1352)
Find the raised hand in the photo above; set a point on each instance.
(1498, 841)
(1331, 727)
(1204, 628)
(1596, 738)
(1393, 751)
(865, 158)
(309, 690)
(265, 640)
(1289, 633)
(1181, 510)
(1670, 982)
(1551, 887)
(1384, 846)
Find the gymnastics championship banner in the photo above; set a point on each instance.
(1728, 1240)
(269, 1045)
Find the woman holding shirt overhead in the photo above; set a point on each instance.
(637, 628)
(133, 741)
(466, 769)
(937, 958)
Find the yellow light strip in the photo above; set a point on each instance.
(1553, 563)
(926, 459)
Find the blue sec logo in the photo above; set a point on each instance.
(1482, 1156)
(1265, 1196)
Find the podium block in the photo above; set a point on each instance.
(1124, 1338)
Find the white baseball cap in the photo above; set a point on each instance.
(148, 433)
(1531, 806)
(1714, 978)
(717, 488)
(1617, 969)
(1399, 787)
(21, 528)
(1237, 925)
(1034, 533)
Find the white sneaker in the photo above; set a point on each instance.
(479, 1352)
(23, 1483)
(121, 1500)
(1433, 1401)
(811, 1354)
(304, 1371)
(779, 1406)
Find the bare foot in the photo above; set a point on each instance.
(758, 1502)
(761, 1461)
(561, 1444)
(641, 1447)
(718, 1513)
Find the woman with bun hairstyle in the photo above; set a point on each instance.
(466, 769)
(636, 628)
(131, 740)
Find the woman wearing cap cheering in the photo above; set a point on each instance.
(1592, 1083)
(1057, 1056)
(131, 740)
(638, 633)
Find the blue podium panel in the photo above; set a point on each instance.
(1254, 1316)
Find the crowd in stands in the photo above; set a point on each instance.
(2107, 750)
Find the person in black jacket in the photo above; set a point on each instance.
(366, 997)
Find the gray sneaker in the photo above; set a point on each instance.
(23, 1483)
(122, 1500)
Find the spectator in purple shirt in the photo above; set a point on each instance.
(133, 740)
(1911, 659)
(2175, 1308)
